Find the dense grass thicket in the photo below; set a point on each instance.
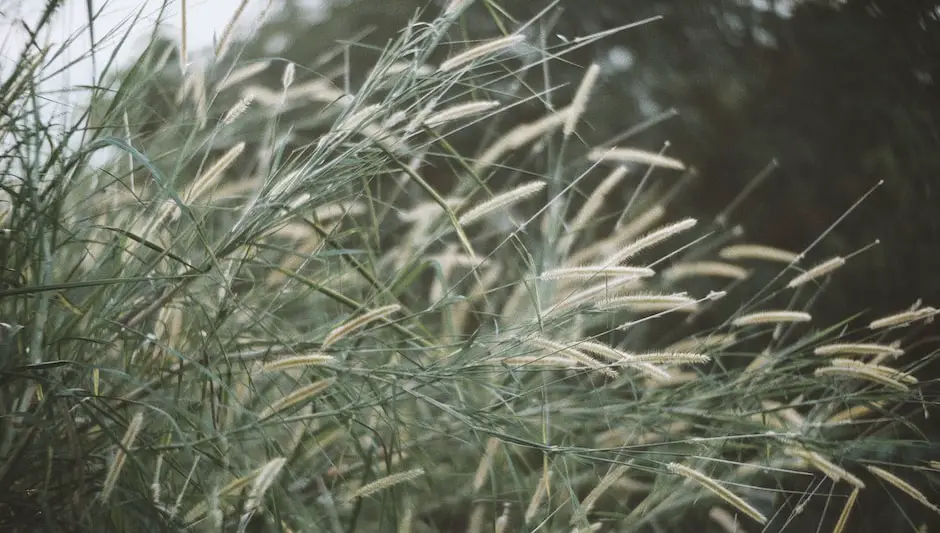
(252, 309)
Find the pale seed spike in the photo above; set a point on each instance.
(359, 322)
(581, 97)
(459, 111)
(540, 491)
(384, 483)
(861, 373)
(632, 155)
(596, 200)
(859, 349)
(772, 317)
(606, 482)
(117, 464)
(297, 396)
(643, 303)
(500, 201)
(846, 511)
(903, 486)
(652, 238)
(759, 252)
(817, 271)
(483, 469)
(481, 50)
(520, 136)
(596, 271)
(711, 269)
(296, 361)
(904, 319)
(242, 73)
(719, 490)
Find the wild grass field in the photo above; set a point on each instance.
(378, 306)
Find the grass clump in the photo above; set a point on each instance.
(232, 320)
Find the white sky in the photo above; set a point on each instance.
(205, 19)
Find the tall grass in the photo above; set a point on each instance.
(222, 319)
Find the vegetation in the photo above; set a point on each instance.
(312, 307)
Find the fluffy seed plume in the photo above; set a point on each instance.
(501, 201)
(645, 303)
(594, 202)
(846, 511)
(859, 348)
(482, 50)
(827, 467)
(892, 373)
(237, 110)
(384, 483)
(297, 396)
(243, 73)
(459, 111)
(297, 361)
(287, 77)
(710, 269)
(672, 358)
(262, 482)
(540, 491)
(903, 319)
(904, 486)
(581, 97)
(772, 317)
(729, 497)
(114, 470)
(606, 482)
(557, 348)
(623, 359)
(539, 360)
(817, 271)
(520, 136)
(716, 340)
(483, 469)
(359, 322)
(633, 155)
(651, 239)
(759, 252)
(862, 373)
(852, 414)
(596, 271)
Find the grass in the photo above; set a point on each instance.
(226, 318)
